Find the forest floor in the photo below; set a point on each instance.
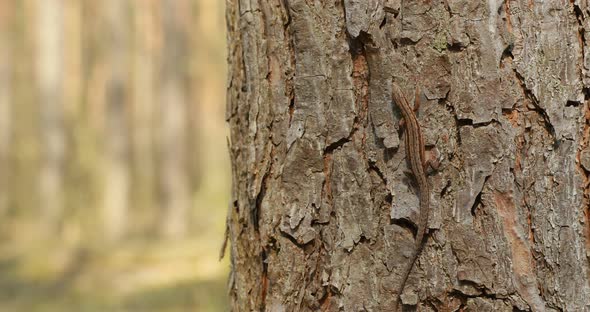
(43, 274)
(142, 276)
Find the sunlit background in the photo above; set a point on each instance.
(114, 173)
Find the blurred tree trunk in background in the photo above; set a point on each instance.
(174, 113)
(78, 185)
(97, 117)
(145, 81)
(25, 159)
(49, 78)
(116, 37)
(6, 97)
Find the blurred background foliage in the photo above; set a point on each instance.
(114, 175)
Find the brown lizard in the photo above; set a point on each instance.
(416, 157)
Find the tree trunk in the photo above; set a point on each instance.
(144, 117)
(25, 146)
(174, 70)
(323, 213)
(116, 112)
(6, 96)
(49, 82)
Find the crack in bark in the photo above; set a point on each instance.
(477, 202)
(507, 54)
(375, 168)
(260, 197)
(335, 145)
(584, 144)
(535, 101)
(264, 281)
(289, 88)
(581, 34)
(464, 297)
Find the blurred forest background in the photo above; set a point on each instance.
(114, 177)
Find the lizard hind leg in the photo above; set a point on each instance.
(432, 162)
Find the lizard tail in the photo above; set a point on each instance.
(408, 268)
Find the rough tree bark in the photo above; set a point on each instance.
(323, 213)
